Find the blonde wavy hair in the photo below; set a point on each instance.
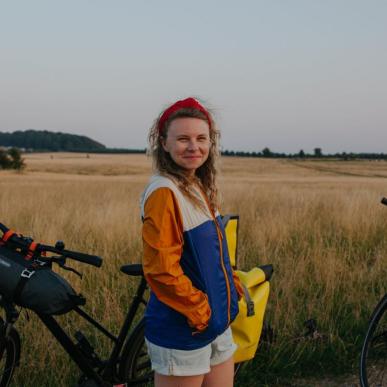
(205, 175)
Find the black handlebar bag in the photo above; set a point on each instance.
(32, 284)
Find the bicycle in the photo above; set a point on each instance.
(128, 363)
(373, 358)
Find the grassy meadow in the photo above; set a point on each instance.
(318, 222)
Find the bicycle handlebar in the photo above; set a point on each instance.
(25, 243)
(3, 228)
(94, 260)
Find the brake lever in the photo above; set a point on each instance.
(72, 270)
(61, 262)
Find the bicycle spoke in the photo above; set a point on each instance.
(2, 362)
(143, 353)
(7, 361)
(144, 365)
(377, 374)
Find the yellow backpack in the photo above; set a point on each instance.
(247, 327)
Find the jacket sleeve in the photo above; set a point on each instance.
(238, 284)
(162, 235)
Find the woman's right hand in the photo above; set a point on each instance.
(202, 325)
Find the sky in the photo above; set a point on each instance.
(287, 75)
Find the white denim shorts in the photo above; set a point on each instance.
(177, 362)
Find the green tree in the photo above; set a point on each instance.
(17, 162)
(11, 159)
(318, 152)
(5, 160)
(266, 152)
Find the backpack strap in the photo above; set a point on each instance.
(249, 301)
(225, 219)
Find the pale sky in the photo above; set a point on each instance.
(288, 75)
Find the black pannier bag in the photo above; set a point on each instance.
(32, 284)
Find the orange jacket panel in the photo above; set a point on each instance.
(162, 235)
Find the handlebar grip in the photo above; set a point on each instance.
(384, 201)
(85, 258)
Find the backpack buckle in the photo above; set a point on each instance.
(250, 308)
(26, 273)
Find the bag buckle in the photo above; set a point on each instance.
(38, 262)
(250, 308)
(249, 302)
(27, 273)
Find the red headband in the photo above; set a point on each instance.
(191, 103)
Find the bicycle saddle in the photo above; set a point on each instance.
(134, 269)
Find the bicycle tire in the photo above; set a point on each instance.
(135, 365)
(373, 359)
(9, 355)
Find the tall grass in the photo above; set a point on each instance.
(329, 251)
(325, 235)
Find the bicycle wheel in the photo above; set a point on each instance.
(9, 354)
(373, 359)
(135, 366)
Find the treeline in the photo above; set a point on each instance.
(265, 153)
(44, 140)
(11, 159)
(317, 154)
(112, 150)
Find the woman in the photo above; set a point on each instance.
(194, 293)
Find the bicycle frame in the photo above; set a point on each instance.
(104, 373)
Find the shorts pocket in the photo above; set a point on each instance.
(160, 357)
(224, 342)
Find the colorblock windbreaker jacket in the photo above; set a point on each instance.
(193, 294)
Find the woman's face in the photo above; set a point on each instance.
(188, 142)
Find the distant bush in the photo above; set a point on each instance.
(11, 159)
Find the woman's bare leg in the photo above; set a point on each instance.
(178, 381)
(220, 375)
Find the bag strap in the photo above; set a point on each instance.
(249, 301)
(26, 274)
(31, 250)
(225, 219)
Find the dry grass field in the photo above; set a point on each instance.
(318, 222)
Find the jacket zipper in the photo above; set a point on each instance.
(220, 239)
